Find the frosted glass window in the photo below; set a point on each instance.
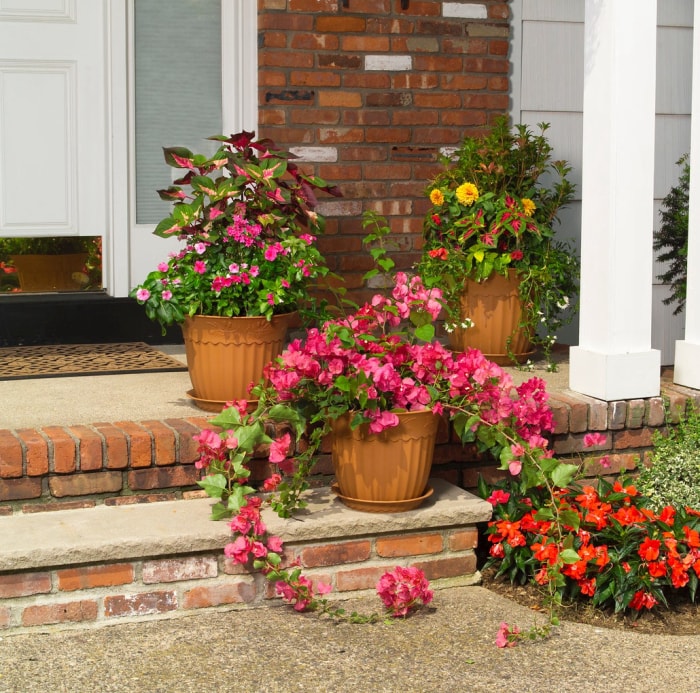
(177, 60)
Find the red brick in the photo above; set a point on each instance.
(177, 569)
(4, 617)
(578, 411)
(53, 506)
(140, 443)
(116, 449)
(340, 24)
(140, 604)
(335, 554)
(95, 576)
(62, 449)
(37, 452)
(89, 448)
(463, 539)
(214, 595)
(408, 545)
(164, 440)
(448, 567)
(655, 415)
(85, 484)
(186, 445)
(24, 584)
(616, 464)
(636, 438)
(19, 489)
(5, 510)
(10, 456)
(358, 578)
(315, 6)
(40, 615)
(163, 477)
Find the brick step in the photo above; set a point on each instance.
(109, 564)
(124, 462)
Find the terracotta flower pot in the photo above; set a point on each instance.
(226, 355)
(49, 272)
(495, 308)
(388, 471)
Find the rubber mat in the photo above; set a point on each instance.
(63, 360)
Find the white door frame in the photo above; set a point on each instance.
(131, 250)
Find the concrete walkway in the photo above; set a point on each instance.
(447, 648)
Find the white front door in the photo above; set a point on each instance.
(53, 110)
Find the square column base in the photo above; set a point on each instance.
(686, 369)
(612, 377)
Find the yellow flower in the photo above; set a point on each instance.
(436, 196)
(528, 206)
(467, 194)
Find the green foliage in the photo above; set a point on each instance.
(672, 238)
(673, 478)
(54, 245)
(247, 216)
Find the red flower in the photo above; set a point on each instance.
(641, 600)
(516, 255)
(440, 253)
(649, 549)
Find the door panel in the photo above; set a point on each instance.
(52, 117)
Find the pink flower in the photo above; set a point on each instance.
(515, 466)
(162, 266)
(274, 544)
(143, 295)
(167, 295)
(200, 267)
(279, 449)
(238, 550)
(604, 462)
(507, 636)
(498, 496)
(592, 439)
(272, 482)
(386, 419)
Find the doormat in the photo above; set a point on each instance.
(63, 360)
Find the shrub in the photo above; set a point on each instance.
(673, 478)
(673, 235)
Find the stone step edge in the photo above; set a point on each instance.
(115, 533)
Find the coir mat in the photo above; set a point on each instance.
(63, 360)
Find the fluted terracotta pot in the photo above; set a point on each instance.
(387, 471)
(226, 355)
(495, 308)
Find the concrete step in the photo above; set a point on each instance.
(101, 565)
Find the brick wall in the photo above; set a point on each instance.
(369, 93)
(134, 462)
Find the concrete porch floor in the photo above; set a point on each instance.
(67, 401)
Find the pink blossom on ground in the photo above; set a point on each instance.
(507, 636)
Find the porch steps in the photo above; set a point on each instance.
(112, 564)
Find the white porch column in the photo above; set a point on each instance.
(687, 362)
(614, 359)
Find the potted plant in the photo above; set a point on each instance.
(358, 379)
(247, 222)
(56, 263)
(490, 243)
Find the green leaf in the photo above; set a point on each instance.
(214, 485)
(569, 556)
(563, 474)
(220, 511)
(570, 518)
(425, 332)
